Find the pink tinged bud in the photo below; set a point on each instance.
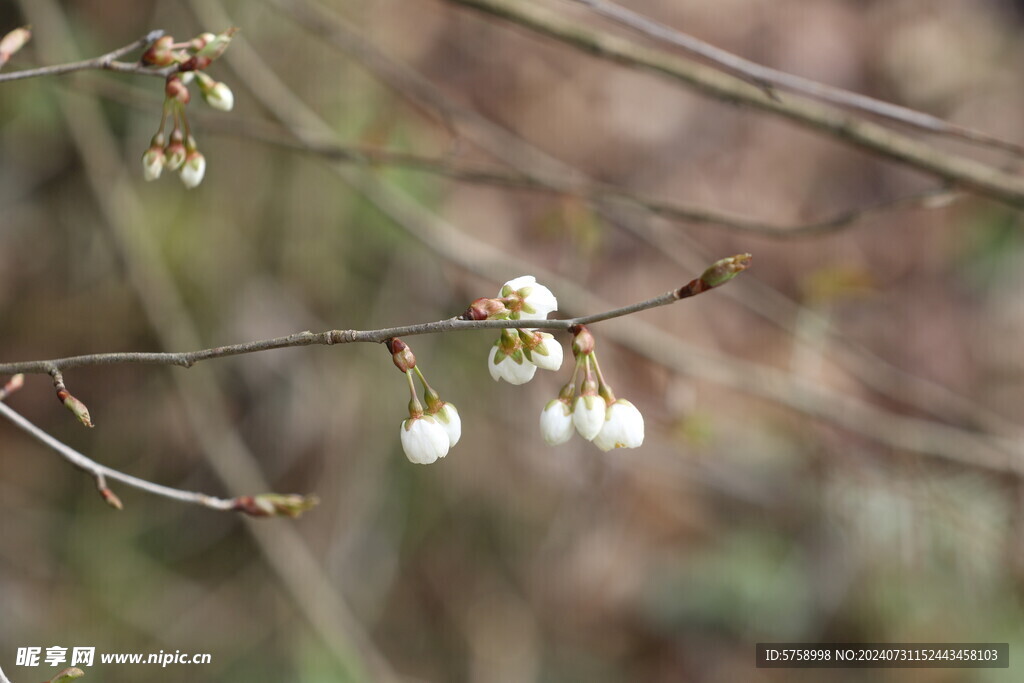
(401, 354)
(424, 440)
(588, 415)
(160, 53)
(623, 427)
(76, 407)
(194, 169)
(536, 300)
(176, 90)
(67, 675)
(175, 152)
(485, 309)
(111, 499)
(12, 42)
(448, 418)
(547, 355)
(582, 342)
(514, 369)
(556, 422)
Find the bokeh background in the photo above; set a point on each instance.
(833, 439)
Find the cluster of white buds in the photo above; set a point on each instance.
(517, 354)
(595, 413)
(427, 434)
(180, 152)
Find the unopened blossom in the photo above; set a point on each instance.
(513, 368)
(536, 300)
(424, 440)
(623, 427)
(193, 170)
(448, 418)
(547, 355)
(153, 163)
(588, 415)
(556, 422)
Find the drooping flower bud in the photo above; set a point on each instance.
(507, 360)
(582, 341)
(623, 427)
(193, 170)
(424, 440)
(217, 95)
(174, 89)
(542, 349)
(174, 153)
(556, 425)
(588, 415)
(153, 159)
(401, 354)
(448, 417)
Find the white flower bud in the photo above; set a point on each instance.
(153, 163)
(193, 170)
(556, 422)
(623, 427)
(424, 440)
(220, 97)
(548, 354)
(588, 415)
(538, 300)
(508, 369)
(448, 418)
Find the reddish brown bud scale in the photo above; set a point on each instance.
(401, 355)
(159, 53)
(483, 308)
(582, 342)
(176, 90)
(111, 499)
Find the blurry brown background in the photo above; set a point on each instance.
(748, 515)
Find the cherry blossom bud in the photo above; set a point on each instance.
(174, 153)
(201, 41)
(545, 352)
(724, 270)
(623, 427)
(153, 159)
(534, 300)
(174, 89)
(215, 47)
(556, 422)
(514, 368)
(193, 170)
(582, 341)
(217, 95)
(12, 42)
(77, 408)
(448, 417)
(485, 309)
(160, 53)
(275, 504)
(588, 415)
(424, 440)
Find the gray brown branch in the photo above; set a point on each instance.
(106, 62)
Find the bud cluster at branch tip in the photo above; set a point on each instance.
(429, 433)
(181, 153)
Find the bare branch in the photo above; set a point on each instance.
(767, 78)
(330, 337)
(106, 62)
(959, 170)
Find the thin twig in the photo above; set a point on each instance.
(101, 472)
(842, 125)
(331, 337)
(767, 78)
(106, 62)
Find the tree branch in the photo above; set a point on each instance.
(962, 171)
(330, 337)
(106, 62)
(767, 78)
(247, 504)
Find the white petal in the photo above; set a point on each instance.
(193, 171)
(448, 418)
(553, 358)
(540, 301)
(491, 367)
(423, 440)
(221, 97)
(517, 373)
(518, 283)
(623, 427)
(588, 415)
(556, 422)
